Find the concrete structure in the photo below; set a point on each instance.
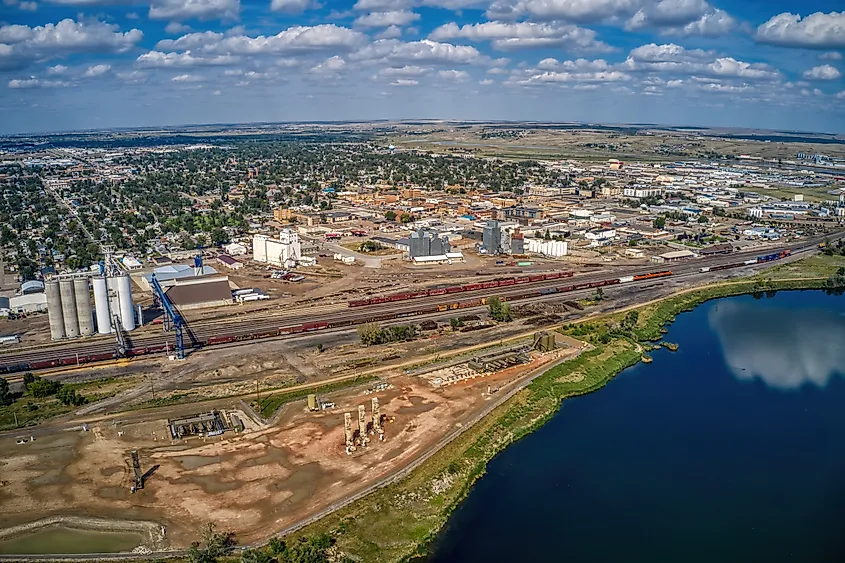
(124, 299)
(284, 252)
(362, 425)
(517, 243)
(491, 239)
(347, 428)
(377, 417)
(69, 315)
(101, 305)
(425, 242)
(54, 310)
(82, 297)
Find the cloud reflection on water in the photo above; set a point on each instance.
(785, 348)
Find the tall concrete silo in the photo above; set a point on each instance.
(83, 306)
(101, 304)
(362, 425)
(127, 307)
(69, 309)
(54, 310)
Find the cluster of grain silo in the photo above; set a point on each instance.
(69, 305)
(69, 308)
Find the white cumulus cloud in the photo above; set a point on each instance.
(96, 70)
(505, 36)
(816, 31)
(398, 18)
(178, 10)
(21, 44)
(293, 6)
(823, 72)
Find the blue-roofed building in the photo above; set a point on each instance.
(174, 272)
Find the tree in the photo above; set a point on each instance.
(702, 219)
(216, 544)
(256, 556)
(28, 379)
(456, 323)
(41, 388)
(630, 321)
(499, 311)
(390, 215)
(659, 222)
(6, 397)
(370, 334)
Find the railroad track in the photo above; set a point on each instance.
(215, 332)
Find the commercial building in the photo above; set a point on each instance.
(284, 252)
(675, 256)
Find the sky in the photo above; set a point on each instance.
(95, 64)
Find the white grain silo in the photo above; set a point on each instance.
(83, 306)
(127, 307)
(54, 310)
(101, 305)
(69, 309)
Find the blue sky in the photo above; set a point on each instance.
(86, 64)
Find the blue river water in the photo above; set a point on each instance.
(730, 450)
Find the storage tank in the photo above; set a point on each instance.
(69, 309)
(101, 305)
(83, 306)
(54, 310)
(127, 307)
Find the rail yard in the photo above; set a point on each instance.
(275, 345)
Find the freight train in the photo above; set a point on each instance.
(340, 323)
(759, 260)
(501, 282)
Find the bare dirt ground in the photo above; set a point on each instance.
(251, 483)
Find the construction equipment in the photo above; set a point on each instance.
(172, 317)
(136, 466)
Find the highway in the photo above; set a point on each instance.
(103, 346)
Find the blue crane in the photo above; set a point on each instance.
(172, 317)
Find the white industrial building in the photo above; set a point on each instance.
(550, 248)
(284, 252)
(235, 249)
